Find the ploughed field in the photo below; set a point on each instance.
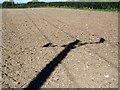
(53, 48)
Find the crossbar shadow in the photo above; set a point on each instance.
(41, 78)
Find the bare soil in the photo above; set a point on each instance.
(85, 65)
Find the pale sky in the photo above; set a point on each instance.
(25, 1)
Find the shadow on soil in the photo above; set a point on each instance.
(40, 79)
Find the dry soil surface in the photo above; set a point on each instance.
(63, 63)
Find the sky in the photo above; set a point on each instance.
(25, 1)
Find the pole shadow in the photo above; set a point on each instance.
(41, 78)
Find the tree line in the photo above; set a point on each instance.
(77, 5)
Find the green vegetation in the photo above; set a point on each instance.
(106, 6)
(0, 5)
(7, 4)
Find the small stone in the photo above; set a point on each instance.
(90, 54)
(8, 57)
(57, 79)
(18, 82)
(37, 57)
(92, 78)
(110, 83)
(87, 66)
(107, 76)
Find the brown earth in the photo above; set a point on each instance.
(88, 65)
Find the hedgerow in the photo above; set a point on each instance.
(77, 5)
